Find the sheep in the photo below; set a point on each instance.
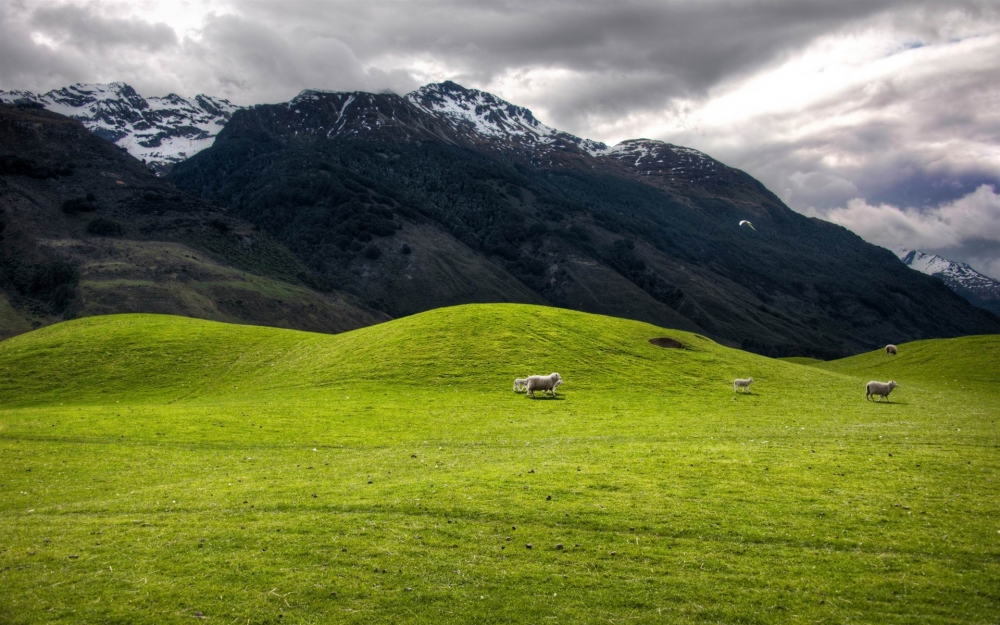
(881, 389)
(741, 383)
(544, 383)
(890, 350)
(520, 384)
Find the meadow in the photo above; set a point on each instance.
(155, 469)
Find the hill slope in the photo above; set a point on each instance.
(159, 468)
(86, 229)
(963, 363)
(385, 195)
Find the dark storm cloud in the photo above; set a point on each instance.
(658, 49)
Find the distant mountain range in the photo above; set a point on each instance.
(159, 131)
(981, 290)
(450, 195)
(369, 205)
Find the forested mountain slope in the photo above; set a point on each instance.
(451, 195)
(86, 229)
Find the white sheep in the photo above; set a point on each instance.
(520, 384)
(881, 389)
(890, 350)
(742, 383)
(544, 383)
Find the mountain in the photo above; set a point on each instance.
(86, 229)
(450, 195)
(160, 131)
(982, 291)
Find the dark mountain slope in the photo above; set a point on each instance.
(87, 229)
(494, 206)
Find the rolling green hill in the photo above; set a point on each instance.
(157, 468)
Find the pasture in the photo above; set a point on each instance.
(155, 469)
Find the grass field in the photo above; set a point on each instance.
(155, 469)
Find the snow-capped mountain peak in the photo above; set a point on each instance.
(160, 130)
(488, 116)
(981, 290)
(934, 265)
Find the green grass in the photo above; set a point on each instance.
(156, 467)
(802, 360)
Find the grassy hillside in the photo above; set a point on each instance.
(156, 468)
(967, 362)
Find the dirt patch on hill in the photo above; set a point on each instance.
(667, 342)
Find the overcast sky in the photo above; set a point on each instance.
(881, 116)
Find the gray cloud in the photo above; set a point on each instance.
(85, 29)
(966, 229)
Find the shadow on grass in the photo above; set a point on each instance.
(556, 398)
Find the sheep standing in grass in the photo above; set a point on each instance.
(520, 384)
(742, 383)
(544, 383)
(890, 350)
(880, 389)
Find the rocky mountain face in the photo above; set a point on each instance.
(159, 131)
(450, 195)
(86, 229)
(981, 290)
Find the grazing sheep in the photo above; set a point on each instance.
(881, 389)
(890, 350)
(544, 383)
(520, 384)
(741, 383)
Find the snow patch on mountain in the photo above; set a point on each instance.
(488, 116)
(934, 265)
(160, 130)
(981, 290)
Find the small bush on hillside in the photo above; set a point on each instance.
(405, 249)
(105, 227)
(11, 164)
(315, 281)
(76, 205)
(53, 285)
(219, 225)
(25, 103)
(371, 252)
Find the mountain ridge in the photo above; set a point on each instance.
(159, 131)
(164, 130)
